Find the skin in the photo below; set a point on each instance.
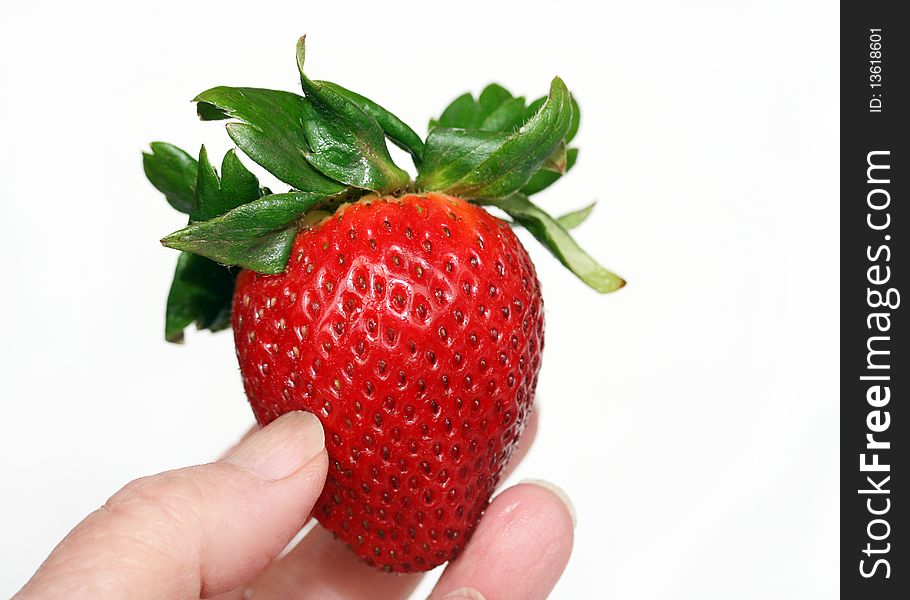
(216, 530)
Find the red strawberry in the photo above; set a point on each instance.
(412, 327)
(411, 324)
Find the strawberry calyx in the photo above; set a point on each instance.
(329, 146)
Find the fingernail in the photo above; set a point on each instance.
(464, 594)
(558, 492)
(282, 448)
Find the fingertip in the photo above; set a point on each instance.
(282, 448)
(560, 494)
(520, 548)
(464, 594)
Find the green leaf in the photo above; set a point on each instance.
(347, 144)
(173, 173)
(237, 182)
(217, 195)
(490, 99)
(535, 106)
(460, 114)
(270, 130)
(200, 293)
(395, 129)
(559, 242)
(576, 121)
(494, 110)
(508, 116)
(575, 218)
(482, 165)
(257, 235)
(558, 161)
(576, 115)
(201, 290)
(547, 175)
(450, 152)
(503, 113)
(543, 178)
(210, 112)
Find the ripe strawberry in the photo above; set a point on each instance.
(404, 315)
(412, 327)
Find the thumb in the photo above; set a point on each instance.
(198, 531)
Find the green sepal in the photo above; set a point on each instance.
(346, 143)
(200, 293)
(489, 112)
(508, 116)
(544, 178)
(491, 98)
(450, 154)
(270, 130)
(494, 110)
(576, 115)
(399, 132)
(484, 165)
(460, 114)
(173, 173)
(573, 219)
(576, 121)
(257, 235)
(534, 106)
(558, 161)
(502, 112)
(217, 195)
(209, 112)
(201, 290)
(559, 242)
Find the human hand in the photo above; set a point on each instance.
(217, 530)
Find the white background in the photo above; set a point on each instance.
(692, 416)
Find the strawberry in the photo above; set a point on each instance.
(412, 327)
(402, 313)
